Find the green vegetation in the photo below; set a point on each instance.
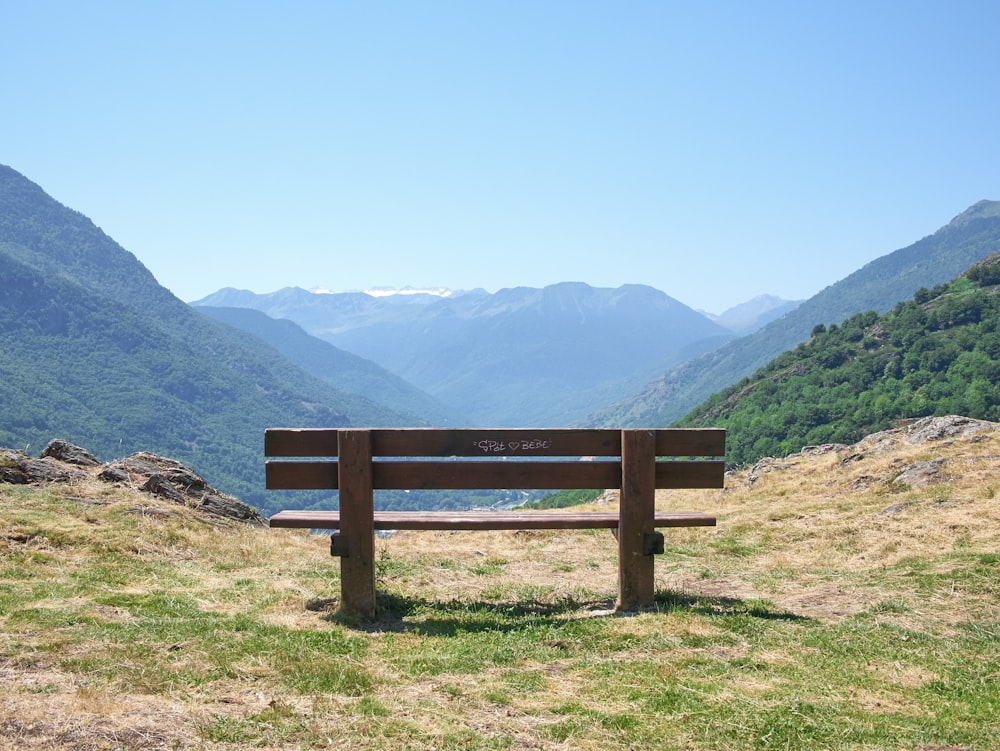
(564, 499)
(937, 354)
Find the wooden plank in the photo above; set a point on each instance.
(289, 442)
(495, 442)
(451, 475)
(701, 474)
(484, 520)
(301, 475)
(637, 511)
(468, 442)
(491, 475)
(357, 569)
(691, 442)
(300, 442)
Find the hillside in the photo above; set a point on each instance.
(340, 369)
(754, 314)
(847, 600)
(519, 357)
(94, 351)
(879, 285)
(937, 354)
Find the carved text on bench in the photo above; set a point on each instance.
(499, 447)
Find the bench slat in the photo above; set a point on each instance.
(698, 475)
(484, 475)
(495, 442)
(491, 475)
(300, 442)
(293, 475)
(690, 442)
(484, 520)
(473, 442)
(451, 475)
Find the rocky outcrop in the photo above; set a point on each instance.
(924, 430)
(179, 483)
(63, 462)
(20, 469)
(927, 430)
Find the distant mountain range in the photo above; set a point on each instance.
(519, 357)
(573, 354)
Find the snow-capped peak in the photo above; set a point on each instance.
(388, 291)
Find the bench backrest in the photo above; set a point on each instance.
(472, 458)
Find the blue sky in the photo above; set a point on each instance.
(713, 150)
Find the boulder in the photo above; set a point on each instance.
(113, 474)
(919, 474)
(159, 485)
(68, 453)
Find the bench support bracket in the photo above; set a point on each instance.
(338, 545)
(652, 543)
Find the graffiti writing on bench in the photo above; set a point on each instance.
(490, 446)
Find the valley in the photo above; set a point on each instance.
(97, 353)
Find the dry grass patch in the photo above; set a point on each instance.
(497, 566)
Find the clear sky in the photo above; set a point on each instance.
(714, 150)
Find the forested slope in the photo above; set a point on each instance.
(94, 351)
(936, 354)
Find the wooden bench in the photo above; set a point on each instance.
(358, 461)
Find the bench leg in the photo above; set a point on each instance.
(357, 522)
(637, 511)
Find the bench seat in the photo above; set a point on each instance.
(484, 520)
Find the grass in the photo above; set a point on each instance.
(809, 618)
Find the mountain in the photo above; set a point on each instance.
(519, 357)
(341, 369)
(935, 355)
(747, 317)
(878, 286)
(94, 351)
